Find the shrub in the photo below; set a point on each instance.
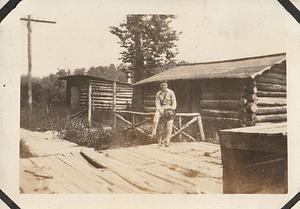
(42, 118)
(25, 150)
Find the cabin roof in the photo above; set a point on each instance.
(249, 67)
(117, 79)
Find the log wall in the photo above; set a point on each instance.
(102, 95)
(228, 103)
(271, 95)
(224, 104)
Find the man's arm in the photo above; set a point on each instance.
(157, 102)
(174, 102)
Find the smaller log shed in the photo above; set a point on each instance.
(228, 94)
(96, 93)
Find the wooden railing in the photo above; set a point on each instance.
(196, 117)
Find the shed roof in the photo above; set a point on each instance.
(236, 68)
(119, 79)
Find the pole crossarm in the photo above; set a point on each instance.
(40, 21)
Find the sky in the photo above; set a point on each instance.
(211, 30)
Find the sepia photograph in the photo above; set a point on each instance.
(189, 99)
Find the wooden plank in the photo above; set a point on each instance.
(30, 183)
(90, 174)
(59, 174)
(186, 163)
(193, 154)
(141, 180)
(108, 181)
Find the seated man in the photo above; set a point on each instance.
(166, 104)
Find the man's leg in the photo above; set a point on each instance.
(169, 131)
(155, 123)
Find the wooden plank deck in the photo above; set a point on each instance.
(64, 167)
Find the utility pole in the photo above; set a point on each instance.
(29, 20)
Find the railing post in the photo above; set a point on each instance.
(93, 101)
(201, 128)
(114, 89)
(89, 95)
(133, 121)
(179, 126)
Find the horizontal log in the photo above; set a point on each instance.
(150, 109)
(221, 104)
(149, 97)
(274, 75)
(279, 70)
(110, 107)
(221, 95)
(109, 87)
(102, 84)
(271, 118)
(106, 102)
(270, 87)
(220, 113)
(221, 120)
(271, 110)
(271, 101)
(149, 103)
(271, 80)
(98, 99)
(271, 94)
(107, 97)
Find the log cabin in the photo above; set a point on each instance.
(228, 94)
(92, 93)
